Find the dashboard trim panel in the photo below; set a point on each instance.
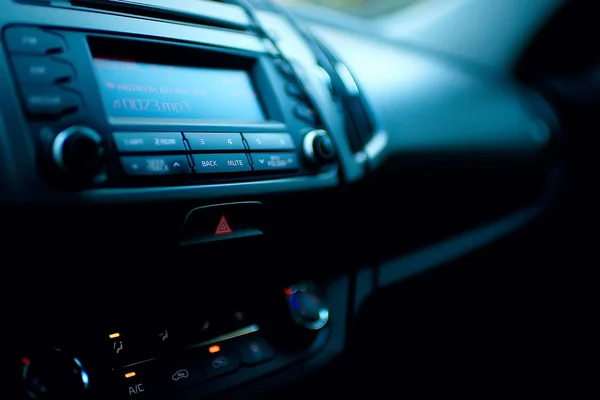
(211, 191)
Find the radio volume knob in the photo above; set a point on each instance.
(318, 147)
(79, 152)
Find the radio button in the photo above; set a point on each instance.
(221, 163)
(156, 165)
(135, 142)
(305, 113)
(41, 70)
(50, 100)
(269, 141)
(214, 141)
(274, 161)
(294, 90)
(284, 67)
(33, 41)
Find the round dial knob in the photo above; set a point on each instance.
(318, 147)
(52, 374)
(78, 151)
(300, 318)
(306, 308)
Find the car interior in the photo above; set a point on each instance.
(289, 199)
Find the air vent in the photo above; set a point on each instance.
(202, 12)
(360, 126)
(358, 120)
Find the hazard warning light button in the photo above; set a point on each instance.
(223, 227)
(221, 222)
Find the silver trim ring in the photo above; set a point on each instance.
(309, 141)
(311, 325)
(60, 139)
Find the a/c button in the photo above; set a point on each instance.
(221, 163)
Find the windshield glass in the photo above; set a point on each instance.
(363, 8)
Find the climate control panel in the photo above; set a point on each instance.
(202, 355)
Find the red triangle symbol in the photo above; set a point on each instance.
(223, 227)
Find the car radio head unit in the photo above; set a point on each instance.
(122, 111)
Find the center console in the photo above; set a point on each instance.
(206, 116)
(205, 354)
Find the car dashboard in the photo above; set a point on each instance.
(204, 195)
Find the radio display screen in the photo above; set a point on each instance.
(151, 92)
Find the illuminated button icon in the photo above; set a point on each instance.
(164, 335)
(223, 227)
(220, 362)
(255, 351)
(117, 346)
(157, 165)
(180, 374)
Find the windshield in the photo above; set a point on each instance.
(364, 8)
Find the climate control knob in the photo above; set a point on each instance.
(307, 308)
(318, 147)
(52, 374)
(79, 152)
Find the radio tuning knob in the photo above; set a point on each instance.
(79, 152)
(318, 147)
